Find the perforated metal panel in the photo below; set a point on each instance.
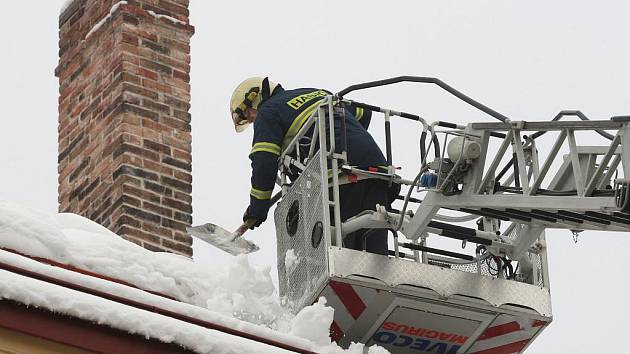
(488, 267)
(303, 279)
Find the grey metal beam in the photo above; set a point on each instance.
(525, 202)
(551, 126)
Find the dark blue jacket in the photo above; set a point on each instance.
(278, 121)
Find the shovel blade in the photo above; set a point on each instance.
(222, 239)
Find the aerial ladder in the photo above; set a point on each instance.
(487, 185)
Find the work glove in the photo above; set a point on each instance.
(249, 216)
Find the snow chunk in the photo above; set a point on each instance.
(76, 223)
(313, 323)
(30, 231)
(290, 260)
(246, 293)
(172, 19)
(375, 349)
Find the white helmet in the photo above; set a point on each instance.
(249, 94)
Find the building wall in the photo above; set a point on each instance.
(124, 123)
(12, 342)
(31, 330)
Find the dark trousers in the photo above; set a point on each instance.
(357, 197)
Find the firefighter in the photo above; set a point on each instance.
(277, 115)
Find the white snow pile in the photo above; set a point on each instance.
(238, 295)
(290, 260)
(313, 323)
(172, 19)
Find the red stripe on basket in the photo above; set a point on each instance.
(499, 330)
(511, 348)
(336, 333)
(349, 298)
(538, 323)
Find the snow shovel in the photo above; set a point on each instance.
(230, 242)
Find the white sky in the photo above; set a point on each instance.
(527, 60)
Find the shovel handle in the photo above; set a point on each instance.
(243, 228)
(250, 222)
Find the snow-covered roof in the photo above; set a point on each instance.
(238, 295)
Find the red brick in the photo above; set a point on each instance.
(157, 209)
(183, 238)
(130, 38)
(176, 45)
(182, 75)
(178, 205)
(186, 177)
(142, 91)
(179, 247)
(182, 155)
(154, 248)
(149, 74)
(173, 141)
(158, 127)
(141, 193)
(127, 84)
(156, 86)
(174, 8)
(158, 167)
(143, 34)
(157, 230)
(139, 234)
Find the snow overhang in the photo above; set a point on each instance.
(47, 296)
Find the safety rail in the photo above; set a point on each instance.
(333, 163)
(463, 178)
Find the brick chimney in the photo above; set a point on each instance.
(124, 126)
